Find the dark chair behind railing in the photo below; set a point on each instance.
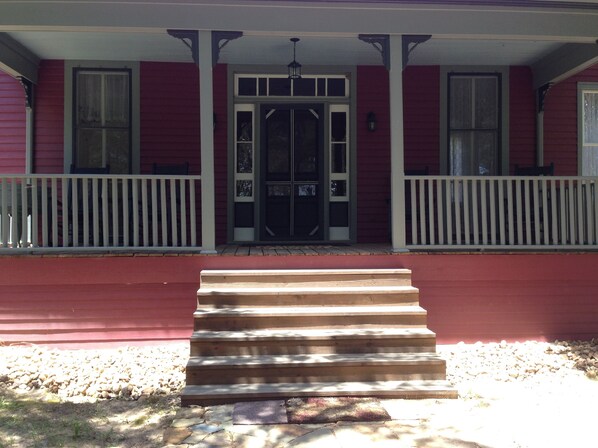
(166, 220)
(535, 213)
(79, 233)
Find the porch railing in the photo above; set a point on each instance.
(99, 211)
(501, 212)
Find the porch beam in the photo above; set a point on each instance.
(557, 21)
(564, 62)
(397, 149)
(206, 107)
(17, 60)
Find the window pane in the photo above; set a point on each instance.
(280, 87)
(89, 99)
(279, 190)
(89, 148)
(460, 153)
(304, 87)
(244, 158)
(590, 117)
(338, 188)
(589, 161)
(244, 126)
(263, 86)
(486, 110)
(244, 188)
(117, 147)
(117, 100)
(338, 164)
(460, 103)
(278, 131)
(247, 86)
(486, 154)
(338, 123)
(336, 87)
(321, 87)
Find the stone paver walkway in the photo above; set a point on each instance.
(490, 414)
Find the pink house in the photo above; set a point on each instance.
(143, 143)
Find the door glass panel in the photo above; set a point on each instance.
(338, 188)
(306, 145)
(306, 190)
(278, 129)
(339, 158)
(279, 190)
(244, 157)
(244, 188)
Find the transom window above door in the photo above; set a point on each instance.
(334, 86)
(102, 119)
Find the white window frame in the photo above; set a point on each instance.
(582, 88)
(69, 67)
(504, 112)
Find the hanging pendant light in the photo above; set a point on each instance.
(294, 67)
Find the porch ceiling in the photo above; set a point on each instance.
(276, 49)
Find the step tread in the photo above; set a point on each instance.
(309, 333)
(301, 272)
(312, 310)
(287, 290)
(279, 361)
(411, 388)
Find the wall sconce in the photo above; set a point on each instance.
(371, 121)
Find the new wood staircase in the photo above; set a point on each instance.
(295, 333)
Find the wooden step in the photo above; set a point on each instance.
(319, 367)
(308, 277)
(308, 317)
(304, 341)
(212, 394)
(309, 296)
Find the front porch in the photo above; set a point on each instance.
(95, 213)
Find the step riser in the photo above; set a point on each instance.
(282, 280)
(201, 348)
(315, 299)
(303, 374)
(188, 399)
(227, 323)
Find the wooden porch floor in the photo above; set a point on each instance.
(302, 249)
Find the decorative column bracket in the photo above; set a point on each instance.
(217, 37)
(28, 88)
(414, 40)
(380, 43)
(191, 39)
(542, 93)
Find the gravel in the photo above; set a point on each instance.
(133, 372)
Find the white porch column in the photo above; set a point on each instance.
(206, 107)
(397, 150)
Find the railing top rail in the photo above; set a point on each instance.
(100, 176)
(502, 178)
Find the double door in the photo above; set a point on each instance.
(291, 172)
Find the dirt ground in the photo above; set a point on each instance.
(38, 419)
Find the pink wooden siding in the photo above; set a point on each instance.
(560, 123)
(49, 118)
(170, 124)
(373, 155)
(421, 90)
(137, 299)
(169, 120)
(12, 125)
(522, 118)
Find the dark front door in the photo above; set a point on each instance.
(291, 172)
